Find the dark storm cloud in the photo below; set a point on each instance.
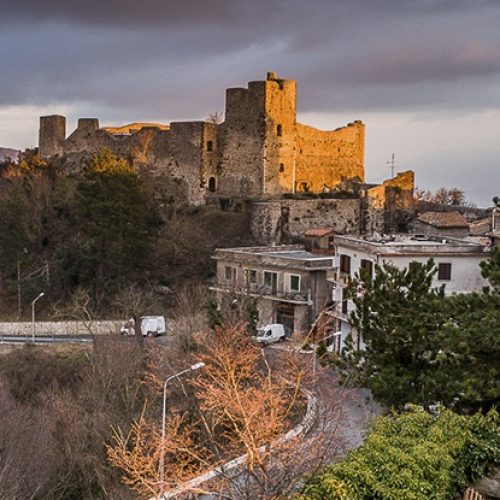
(219, 12)
(174, 58)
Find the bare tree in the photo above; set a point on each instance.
(241, 403)
(134, 302)
(215, 117)
(443, 196)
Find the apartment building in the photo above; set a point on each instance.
(290, 283)
(457, 262)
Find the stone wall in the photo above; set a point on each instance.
(325, 158)
(264, 151)
(278, 221)
(51, 135)
(179, 152)
(241, 142)
(381, 203)
(259, 150)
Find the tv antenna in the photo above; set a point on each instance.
(392, 164)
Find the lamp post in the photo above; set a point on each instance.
(335, 335)
(33, 316)
(192, 368)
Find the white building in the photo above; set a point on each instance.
(457, 263)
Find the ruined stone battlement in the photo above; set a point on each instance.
(259, 149)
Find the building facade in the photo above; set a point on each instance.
(289, 283)
(457, 262)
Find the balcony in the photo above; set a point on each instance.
(263, 291)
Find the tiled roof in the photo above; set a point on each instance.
(319, 231)
(443, 219)
(482, 226)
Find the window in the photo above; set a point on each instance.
(444, 271)
(210, 145)
(271, 281)
(345, 264)
(294, 283)
(331, 242)
(344, 301)
(212, 185)
(251, 275)
(279, 130)
(230, 273)
(367, 266)
(282, 167)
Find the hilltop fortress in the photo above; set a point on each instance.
(258, 150)
(297, 177)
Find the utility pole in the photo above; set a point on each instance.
(19, 289)
(392, 164)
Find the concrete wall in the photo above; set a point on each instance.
(62, 327)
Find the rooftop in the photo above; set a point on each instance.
(291, 255)
(443, 219)
(319, 231)
(412, 244)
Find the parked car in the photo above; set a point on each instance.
(151, 326)
(270, 334)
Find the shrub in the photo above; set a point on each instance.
(31, 371)
(414, 456)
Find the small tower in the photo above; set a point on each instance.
(52, 135)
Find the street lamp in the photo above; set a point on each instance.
(33, 316)
(335, 335)
(192, 368)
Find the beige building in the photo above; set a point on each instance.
(289, 282)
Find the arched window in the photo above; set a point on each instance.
(212, 184)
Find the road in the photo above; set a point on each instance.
(343, 415)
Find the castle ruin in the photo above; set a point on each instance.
(258, 151)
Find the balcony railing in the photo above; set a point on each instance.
(262, 290)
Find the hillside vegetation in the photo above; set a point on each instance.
(99, 229)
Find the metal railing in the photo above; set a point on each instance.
(262, 290)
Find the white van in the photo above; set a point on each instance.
(151, 326)
(270, 334)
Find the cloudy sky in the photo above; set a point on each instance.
(424, 75)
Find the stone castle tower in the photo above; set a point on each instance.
(258, 151)
(264, 151)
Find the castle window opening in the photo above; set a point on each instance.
(212, 184)
(282, 167)
(279, 130)
(210, 145)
